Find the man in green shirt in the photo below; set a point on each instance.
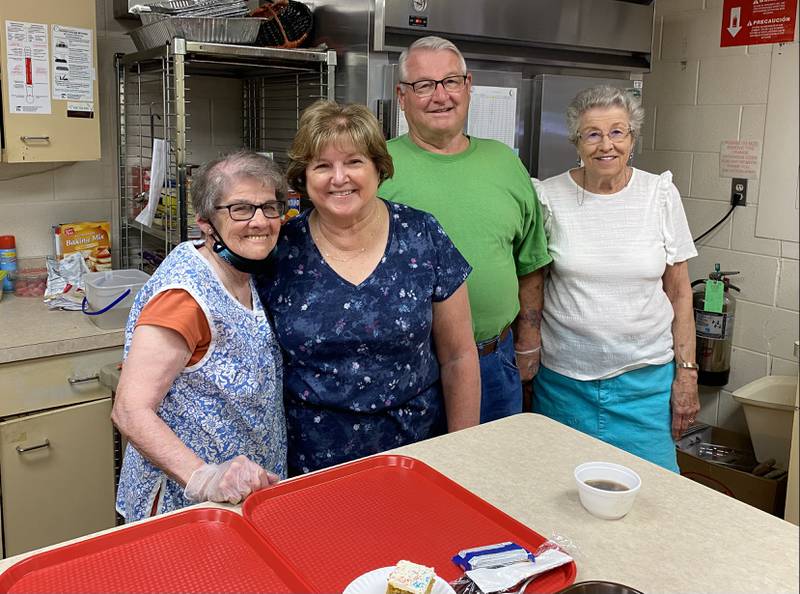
(482, 195)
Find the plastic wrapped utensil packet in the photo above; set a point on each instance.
(65, 282)
(508, 577)
(496, 555)
(498, 579)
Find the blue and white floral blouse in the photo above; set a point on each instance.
(360, 371)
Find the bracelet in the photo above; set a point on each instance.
(530, 352)
(687, 365)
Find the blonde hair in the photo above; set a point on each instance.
(325, 123)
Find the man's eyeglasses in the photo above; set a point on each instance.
(426, 88)
(242, 211)
(596, 137)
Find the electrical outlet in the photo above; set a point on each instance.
(739, 191)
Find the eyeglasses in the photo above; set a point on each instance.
(426, 88)
(242, 211)
(596, 137)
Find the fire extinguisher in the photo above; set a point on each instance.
(714, 308)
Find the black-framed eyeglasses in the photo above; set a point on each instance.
(596, 137)
(426, 88)
(242, 211)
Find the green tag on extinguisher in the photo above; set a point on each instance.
(714, 296)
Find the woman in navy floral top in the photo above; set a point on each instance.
(369, 304)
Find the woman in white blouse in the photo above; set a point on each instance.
(618, 343)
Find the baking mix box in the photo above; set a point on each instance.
(91, 239)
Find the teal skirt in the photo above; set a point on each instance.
(630, 411)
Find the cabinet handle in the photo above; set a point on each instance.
(78, 380)
(27, 139)
(38, 446)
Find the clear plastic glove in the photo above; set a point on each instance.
(229, 482)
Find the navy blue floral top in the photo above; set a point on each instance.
(361, 375)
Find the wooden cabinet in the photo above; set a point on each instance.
(57, 473)
(48, 71)
(56, 449)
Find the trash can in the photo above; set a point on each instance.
(768, 404)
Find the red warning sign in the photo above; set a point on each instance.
(750, 22)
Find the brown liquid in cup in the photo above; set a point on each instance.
(607, 485)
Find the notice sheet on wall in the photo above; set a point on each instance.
(27, 68)
(72, 64)
(493, 114)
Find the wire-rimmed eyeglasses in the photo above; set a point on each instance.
(243, 211)
(596, 137)
(426, 88)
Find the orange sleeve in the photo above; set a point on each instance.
(177, 310)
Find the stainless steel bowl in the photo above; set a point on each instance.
(598, 587)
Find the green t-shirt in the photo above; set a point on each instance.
(484, 200)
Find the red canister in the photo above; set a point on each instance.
(8, 260)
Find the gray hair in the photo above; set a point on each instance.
(213, 180)
(603, 96)
(430, 43)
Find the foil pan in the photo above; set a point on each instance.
(209, 29)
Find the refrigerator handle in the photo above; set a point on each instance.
(384, 115)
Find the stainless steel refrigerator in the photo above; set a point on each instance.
(528, 59)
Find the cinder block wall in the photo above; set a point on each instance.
(697, 95)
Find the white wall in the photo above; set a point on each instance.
(697, 95)
(35, 196)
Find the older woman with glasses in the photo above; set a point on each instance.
(618, 341)
(200, 393)
(369, 304)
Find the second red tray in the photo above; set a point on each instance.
(340, 523)
(201, 550)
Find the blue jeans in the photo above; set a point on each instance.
(501, 388)
(630, 411)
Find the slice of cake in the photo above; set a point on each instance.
(410, 578)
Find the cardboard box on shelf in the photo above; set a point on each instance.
(765, 494)
(92, 239)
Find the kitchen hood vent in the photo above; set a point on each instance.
(604, 34)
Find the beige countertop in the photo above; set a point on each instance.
(30, 330)
(679, 537)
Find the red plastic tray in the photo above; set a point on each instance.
(337, 524)
(203, 550)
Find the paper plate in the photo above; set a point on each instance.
(374, 582)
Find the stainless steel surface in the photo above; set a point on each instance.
(609, 39)
(81, 380)
(595, 24)
(38, 446)
(551, 151)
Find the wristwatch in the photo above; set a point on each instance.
(687, 365)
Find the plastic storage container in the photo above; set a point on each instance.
(109, 296)
(768, 404)
(29, 282)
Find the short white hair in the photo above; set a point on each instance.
(430, 43)
(603, 96)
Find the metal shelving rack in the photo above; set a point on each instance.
(154, 101)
